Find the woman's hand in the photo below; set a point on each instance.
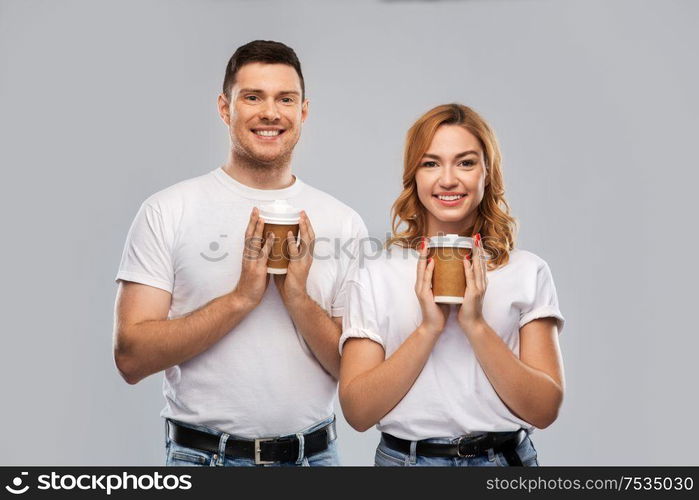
(434, 316)
(471, 311)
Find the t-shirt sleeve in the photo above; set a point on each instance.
(350, 255)
(360, 319)
(147, 255)
(545, 300)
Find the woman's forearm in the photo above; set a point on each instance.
(369, 396)
(530, 394)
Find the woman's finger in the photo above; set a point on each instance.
(427, 277)
(478, 264)
(468, 272)
(421, 264)
(484, 263)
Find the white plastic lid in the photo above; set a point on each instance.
(450, 240)
(280, 212)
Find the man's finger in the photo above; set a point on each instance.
(291, 244)
(309, 228)
(267, 249)
(251, 223)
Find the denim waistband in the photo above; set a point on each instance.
(216, 432)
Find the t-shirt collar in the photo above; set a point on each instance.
(258, 194)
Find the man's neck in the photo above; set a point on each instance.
(259, 176)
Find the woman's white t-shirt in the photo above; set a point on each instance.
(452, 395)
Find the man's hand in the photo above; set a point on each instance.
(292, 285)
(253, 275)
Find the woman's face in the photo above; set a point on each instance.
(451, 180)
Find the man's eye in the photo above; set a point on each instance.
(251, 97)
(287, 100)
(429, 164)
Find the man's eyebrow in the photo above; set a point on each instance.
(465, 153)
(260, 91)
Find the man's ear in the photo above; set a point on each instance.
(224, 109)
(304, 110)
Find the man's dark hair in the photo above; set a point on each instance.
(261, 51)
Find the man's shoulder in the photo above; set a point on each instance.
(179, 193)
(328, 202)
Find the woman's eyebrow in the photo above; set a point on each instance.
(465, 153)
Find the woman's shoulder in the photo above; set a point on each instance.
(521, 259)
(388, 264)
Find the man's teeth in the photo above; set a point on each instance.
(451, 197)
(267, 133)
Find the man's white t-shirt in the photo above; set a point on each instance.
(261, 379)
(452, 396)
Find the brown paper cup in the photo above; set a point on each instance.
(448, 279)
(278, 260)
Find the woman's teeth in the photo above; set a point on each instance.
(451, 197)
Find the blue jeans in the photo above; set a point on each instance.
(388, 457)
(178, 455)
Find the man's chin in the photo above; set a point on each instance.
(267, 159)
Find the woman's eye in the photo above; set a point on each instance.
(429, 164)
(468, 163)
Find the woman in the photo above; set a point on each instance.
(452, 385)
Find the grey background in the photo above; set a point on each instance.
(595, 104)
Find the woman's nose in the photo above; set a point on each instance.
(447, 178)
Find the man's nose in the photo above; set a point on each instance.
(269, 111)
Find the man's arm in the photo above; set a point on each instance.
(319, 330)
(146, 342)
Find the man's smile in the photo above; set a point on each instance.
(268, 133)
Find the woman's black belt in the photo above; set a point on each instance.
(466, 446)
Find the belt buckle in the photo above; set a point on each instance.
(258, 450)
(458, 446)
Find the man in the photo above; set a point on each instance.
(250, 366)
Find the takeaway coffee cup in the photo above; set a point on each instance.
(448, 279)
(280, 218)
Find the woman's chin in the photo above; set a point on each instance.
(449, 218)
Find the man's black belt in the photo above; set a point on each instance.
(262, 451)
(467, 446)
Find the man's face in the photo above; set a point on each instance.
(265, 112)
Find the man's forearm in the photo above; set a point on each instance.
(151, 346)
(319, 331)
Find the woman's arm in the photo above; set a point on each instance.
(532, 386)
(370, 386)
